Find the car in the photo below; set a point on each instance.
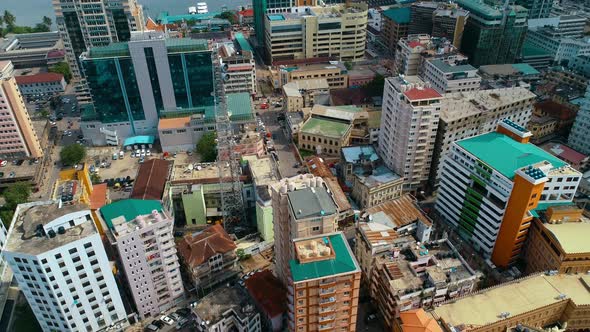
(142, 154)
(3, 163)
(181, 323)
(167, 320)
(371, 317)
(132, 154)
(141, 160)
(121, 154)
(148, 153)
(183, 311)
(178, 234)
(80, 136)
(11, 175)
(158, 323)
(151, 327)
(241, 283)
(175, 316)
(264, 106)
(115, 156)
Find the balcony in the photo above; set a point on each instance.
(324, 310)
(326, 318)
(327, 301)
(327, 291)
(323, 327)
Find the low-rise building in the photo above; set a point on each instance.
(209, 256)
(577, 160)
(451, 75)
(419, 276)
(305, 93)
(360, 76)
(42, 84)
(394, 27)
(334, 72)
(294, 121)
(565, 115)
(323, 289)
(227, 309)
(151, 178)
(141, 232)
(538, 301)
(28, 50)
(542, 127)
(508, 75)
(557, 240)
(270, 296)
(263, 173)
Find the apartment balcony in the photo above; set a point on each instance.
(327, 301)
(323, 327)
(324, 310)
(327, 283)
(327, 291)
(328, 318)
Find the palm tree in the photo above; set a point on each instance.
(9, 19)
(47, 21)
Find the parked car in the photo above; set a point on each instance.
(181, 323)
(183, 311)
(151, 327)
(3, 163)
(175, 316)
(167, 320)
(158, 323)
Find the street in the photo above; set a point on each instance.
(283, 146)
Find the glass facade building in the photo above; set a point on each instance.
(137, 80)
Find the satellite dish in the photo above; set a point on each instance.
(190, 167)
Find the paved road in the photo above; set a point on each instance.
(284, 149)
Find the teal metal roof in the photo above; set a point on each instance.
(239, 106)
(544, 206)
(110, 51)
(525, 69)
(343, 262)
(276, 17)
(506, 155)
(446, 68)
(138, 140)
(175, 45)
(164, 18)
(244, 44)
(399, 15)
(128, 208)
(529, 50)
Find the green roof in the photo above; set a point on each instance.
(343, 262)
(110, 51)
(239, 106)
(128, 208)
(525, 69)
(244, 44)
(164, 18)
(177, 45)
(506, 155)
(529, 50)
(134, 140)
(399, 15)
(325, 128)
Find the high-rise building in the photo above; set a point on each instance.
(439, 20)
(561, 37)
(395, 26)
(537, 8)
(18, 138)
(339, 30)
(134, 83)
(60, 265)
(88, 23)
(451, 75)
(467, 114)
(324, 284)
(414, 50)
(142, 234)
(578, 138)
(409, 122)
(490, 184)
(492, 34)
(302, 207)
(238, 66)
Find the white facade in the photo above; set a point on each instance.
(561, 48)
(60, 265)
(415, 49)
(148, 256)
(451, 75)
(579, 138)
(42, 88)
(409, 122)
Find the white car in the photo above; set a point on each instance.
(143, 154)
(148, 153)
(167, 320)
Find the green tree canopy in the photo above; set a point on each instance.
(9, 19)
(72, 154)
(207, 147)
(15, 194)
(227, 15)
(376, 86)
(62, 68)
(47, 21)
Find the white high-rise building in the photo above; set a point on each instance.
(409, 123)
(86, 23)
(60, 265)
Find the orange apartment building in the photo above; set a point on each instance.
(538, 301)
(491, 183)
(18, 138)
(558, 241)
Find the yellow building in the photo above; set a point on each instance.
(334, 72)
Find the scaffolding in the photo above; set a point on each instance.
(228, 160)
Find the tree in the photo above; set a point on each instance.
(230, 16)
(15, 194)
(9, 20)
(62, 68)
(72, 154)
(375, 87)
(47, 22)
(348, 65)
(207, 147)
(95, 178)
(40, 27)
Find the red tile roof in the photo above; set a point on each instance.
(414, 44)
(197, 248)
(39, 78)
(556, 110)
(98, 198)
(422, 93)
(268, 292)
(151, 179)
(247, 12)
(565, 153)
(416, 320)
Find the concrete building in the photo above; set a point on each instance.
(562, 49)
(141, 232)
(209, 256)
(270, 297)
(18, 138)
(578, 161)
(334, 72)
(372, 183)
(542, 127)
(564, 26)
(387, 226)
(134, 83)
(302, 207)
(42, 84)
(324, 285)
(108, 21)
(227, 309)
(537, 8)
(556, 241)
(578, 138)
(238, 67)
(340, 30)
(263, 174)
(305, 93)
(395, 26)
(438, 20)
(467, 114)
(560, 300)
(493, 34)
(61, 267)
(488, 197)
(451, 75)
(27, 50)
(409, 122)
(414, 50)
(421, 275)
(508, 75)
(324, 136)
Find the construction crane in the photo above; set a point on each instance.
(228, 160)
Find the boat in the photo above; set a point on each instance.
(200, 8)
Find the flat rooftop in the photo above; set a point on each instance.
(196, 172)
(212, 307)
(345, 113)
(311, 202)
(129, 209)
(506, 155)
(445, 67)
(28, 216)
(572, 236)
(326, 128)
(355, 154)
(515, 297)
(397, 213)
(261, 169)
(339, 259)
